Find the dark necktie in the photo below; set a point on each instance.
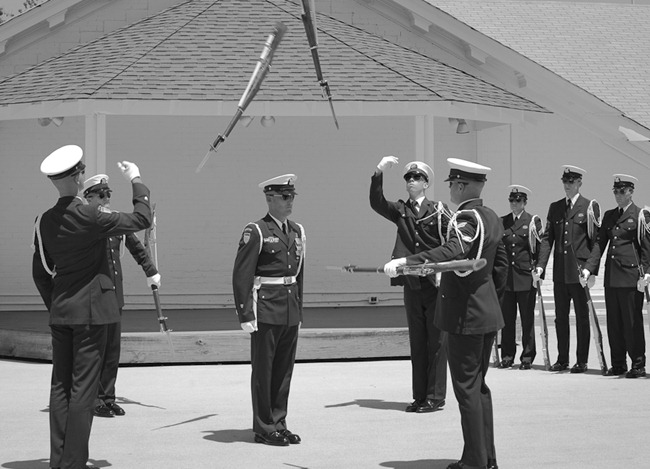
(284, 228)
(415, 207)
(620, 212)
(568, 205)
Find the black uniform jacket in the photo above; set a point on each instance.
(415, 233)
(270, 255)
(75, 238)
(521, 259)
(139, 253)
(569, 236)
(470, 305)
(624, 253)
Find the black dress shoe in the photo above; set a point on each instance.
(273, 439)
(506, 363)
(636, 373)
(579, 368)
(292, 437)
(413, 406)
(558, 366)
(456, 465)
(103, 411)
(430, 405)
(617, 371)
(524, 366)
(492, 464)
(117, 410)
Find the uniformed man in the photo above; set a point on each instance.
(72, 276)
(98, 194)
(627, 261)
(521, 236)
(268, 289)
(571, 225)
(421, 225)
(470, 302)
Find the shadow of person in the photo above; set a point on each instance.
(231, 436)
(372, 404)
(45, 464)
(419, 464)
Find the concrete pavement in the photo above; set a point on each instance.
(349, 414)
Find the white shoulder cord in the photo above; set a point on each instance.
(303, 237)
(533, 234)
(37, 233)
(440, 211)
(642, 226)
(480, 233)
(591, 218)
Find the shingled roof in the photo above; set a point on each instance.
(205, 50)
(602, 48)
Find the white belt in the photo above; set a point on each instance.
(290, 280)
(259, 281)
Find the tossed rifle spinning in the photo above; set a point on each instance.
(421, 270)
(261, 69)
(309, 20)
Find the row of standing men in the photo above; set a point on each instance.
(71, 266)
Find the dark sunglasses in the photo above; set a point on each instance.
(619, 191)
(414, 176)
(516, 199)
(285, 197)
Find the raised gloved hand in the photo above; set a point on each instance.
(129, 170)
(390, 268)
(387, 162)
(154, 280)
(250, 326)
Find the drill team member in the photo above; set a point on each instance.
(470, 305)
(570, 231)
(626, 264)
(421, 225)
(521, 238)
(98, 194)
(72, 276)
(268, 290)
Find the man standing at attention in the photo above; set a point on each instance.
(570, 231)
(267, 284)
(521, 237)
(626, 268)
(71, 273)
(421, 225)
(470, 302)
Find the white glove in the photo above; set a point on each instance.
(153, 280)
(390, 268)
(584, 278)
(642, 283)
(537, 275)
(387, 162)
(250, 326)
(438, 279)
(129, 170)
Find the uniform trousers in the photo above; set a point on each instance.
(110, 364)
(273, 353)
(76, 365)
(625, 325)
(563, 294)
(469, 360)
(525, 300)
(427, 343)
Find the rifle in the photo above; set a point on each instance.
(593, 320)
(645, 285)
(150, 245)
(421, 270)
(543, 327)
